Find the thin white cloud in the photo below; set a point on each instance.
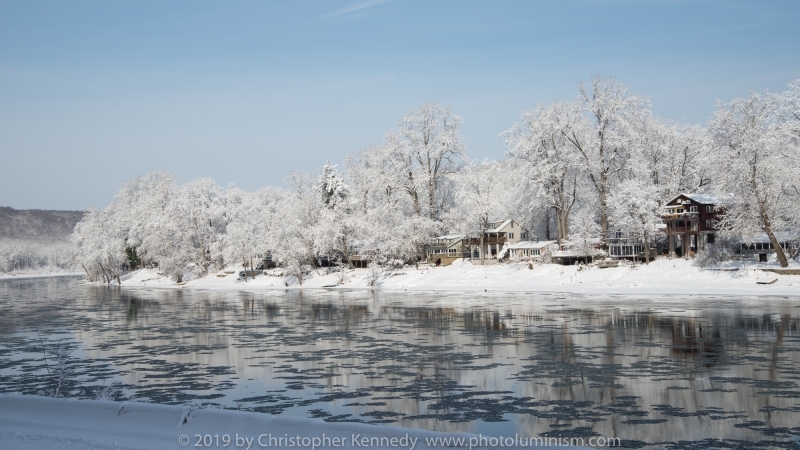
(354, 8)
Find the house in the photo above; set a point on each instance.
(759, 247)
(496, 236)
(691, 223)
(529, 250)
(443, 250)
(622, 246)
(578, 251)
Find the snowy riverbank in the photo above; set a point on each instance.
(664, 276)
(42, 423)
(23, 275)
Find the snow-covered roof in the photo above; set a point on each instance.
(531, 244)
(499, 227)
(578, 253)
(590, 241)
(450, 237)
(704, 199)
(781, 236)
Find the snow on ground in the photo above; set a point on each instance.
(661, 277)
(42, 423)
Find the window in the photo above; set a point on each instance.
(708, 223)
(694, 225)
(693, 209)
(710, 237)
(710, 208)
(511, 235)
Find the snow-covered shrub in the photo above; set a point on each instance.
(375, 272)
(720, 251)
(395, 264)
(107, 392)
(61, 371)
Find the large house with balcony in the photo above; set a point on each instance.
(691, 221)
(496, 236)
(443, 250)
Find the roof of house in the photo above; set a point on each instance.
(704, 199)
(577, 253)
(781, 236)
(451, 236)
(499, 227)
(531, 244)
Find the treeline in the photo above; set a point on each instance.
(585, 167)
(37, 240)
(19, 255)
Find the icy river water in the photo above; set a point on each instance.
(657, 372)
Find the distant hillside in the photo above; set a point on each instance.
(37, 225)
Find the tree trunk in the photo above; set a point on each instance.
(777, 246)
(562, 220)
(603, 212)
(547, 224)
(483, 253)
(432, 198)
(767, 227)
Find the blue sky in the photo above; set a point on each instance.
(93, 93)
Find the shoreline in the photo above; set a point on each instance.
(663, 277)
(25, 276)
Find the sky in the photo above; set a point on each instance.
(93, 93)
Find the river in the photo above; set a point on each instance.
(656, 372)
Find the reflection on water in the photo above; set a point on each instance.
(677, 373)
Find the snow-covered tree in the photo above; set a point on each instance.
(633, 209)
(331, 187)
(585, 230)
(674, 157)
(100, 246)
(551, 161)
(141, 204)
(757, 160)
(604, 140)
(425, 148)
(250, 217)
(480, 198)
